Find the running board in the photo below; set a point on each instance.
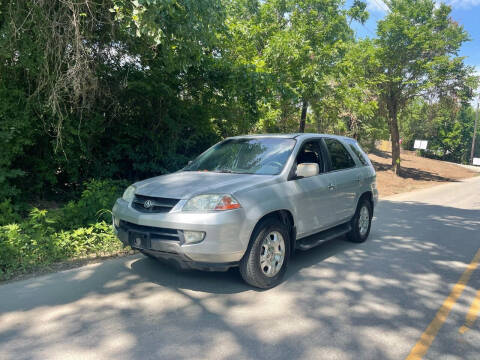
(318, 238)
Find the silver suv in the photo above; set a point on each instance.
(250, 201)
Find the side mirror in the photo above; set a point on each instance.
(307, 169)
(189, 162)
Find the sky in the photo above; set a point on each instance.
(465, 12)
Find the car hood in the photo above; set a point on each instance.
(185, 184)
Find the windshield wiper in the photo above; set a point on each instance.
(227, 171)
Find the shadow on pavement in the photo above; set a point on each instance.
(412, 173)
(228, 282)
(339, 300)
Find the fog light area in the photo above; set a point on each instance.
(192, 237)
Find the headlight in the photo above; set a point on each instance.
(129, 193)
(211, 202)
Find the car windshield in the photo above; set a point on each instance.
(264, 156)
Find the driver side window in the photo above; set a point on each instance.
(311, 153)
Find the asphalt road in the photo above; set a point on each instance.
(338, 301)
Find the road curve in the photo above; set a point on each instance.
(339, 301)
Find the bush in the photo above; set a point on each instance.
(94, 205)
(35, 243)
(8, 213)
(78, 229)
(95, 239)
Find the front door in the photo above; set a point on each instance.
(311, 197)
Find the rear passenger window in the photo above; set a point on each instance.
(359, 154)
(339, 156)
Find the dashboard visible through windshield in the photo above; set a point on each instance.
(262, 156)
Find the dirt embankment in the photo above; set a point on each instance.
(417, 172)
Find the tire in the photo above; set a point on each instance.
(262, 265)
(359, 233)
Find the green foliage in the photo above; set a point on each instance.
(417, 52)
(80, 228)
(417, 49)
(8, 213)
(296, 44)
(150, 85)
(350, 107)
(93, 206)
(447, 126)
(34, 243)
(95, 239)
(15, 136)
(129, 89)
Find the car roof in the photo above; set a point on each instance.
(300, 136)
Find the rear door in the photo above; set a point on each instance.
(344, 179)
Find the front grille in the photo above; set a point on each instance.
(151, 232)
(157, 204)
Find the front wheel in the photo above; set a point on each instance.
(267, 255)
(361, 222)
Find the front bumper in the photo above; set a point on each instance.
(160, 235)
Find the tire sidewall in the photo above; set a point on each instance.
(251, 258)
(355, 234)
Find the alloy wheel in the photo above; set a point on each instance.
(272, 253)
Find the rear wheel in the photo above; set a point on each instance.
(266, 258)
(361, 222)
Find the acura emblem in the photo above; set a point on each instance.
(147, 204)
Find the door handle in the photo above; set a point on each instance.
(332, 186)
(358, 179)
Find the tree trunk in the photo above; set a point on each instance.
(303, 117)
(395, 137)
(319, 124)
(353, 126)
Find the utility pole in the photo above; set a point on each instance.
(472, 153)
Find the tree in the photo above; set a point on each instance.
(417, 49)
(114, 89)
(350, 106)
(297, 43)
(447, 125)
(48, 52)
